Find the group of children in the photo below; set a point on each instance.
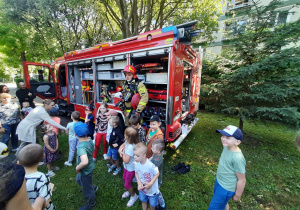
(141, 155)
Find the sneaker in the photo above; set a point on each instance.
(105, 156)
(132, 200)
(126, 194)
(88, 206)
(50, 174)
(111, 168)
(67, 163)
(108, 164)
(96, 188)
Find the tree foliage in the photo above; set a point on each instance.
(134, 17)
(263, 79)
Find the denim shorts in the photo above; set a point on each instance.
(221, 197)
(153, 200)
(112, 153)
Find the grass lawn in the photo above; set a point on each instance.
(272, 170)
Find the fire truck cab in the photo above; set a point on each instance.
(165, 61)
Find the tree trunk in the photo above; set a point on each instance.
(23, 56)
(241, 125)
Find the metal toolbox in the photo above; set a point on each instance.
(157, 77)
(103, 66)
(105, 75)
(118, 75)
(141, 77)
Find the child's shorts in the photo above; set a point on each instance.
(127, 177)
(112, 153)
(221, 197)
(153, 200)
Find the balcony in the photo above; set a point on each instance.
(236, 4)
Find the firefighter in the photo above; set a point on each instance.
(131, 87)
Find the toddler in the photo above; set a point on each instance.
(50, 149)
(157, 159)
(73, 140)
(26, 108)
(153, 134)
(231, 173)
(146, 174)
(115, 141)
(37, 184)
(131, 138)
(135, 121)
(101, 130)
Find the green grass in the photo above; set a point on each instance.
(272, 170)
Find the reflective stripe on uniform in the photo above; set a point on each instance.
(142, 103)
(127, 110)
(142, 90)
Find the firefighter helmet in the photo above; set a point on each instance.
(119, 88)
(135, 100)
(130, 69)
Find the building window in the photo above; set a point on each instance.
(239, 3)
(281, 18)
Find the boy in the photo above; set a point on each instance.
(135, 121)
(146, 174)
(37, 184)
(231, 178)
(89, 120)
(153, 134)
(158, 146)
(85, 165)
(26, 108)
(73, 140)
(116, 139)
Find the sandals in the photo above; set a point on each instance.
(117, 171)
(111, 168)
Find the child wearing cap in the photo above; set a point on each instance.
(85, 165)
(89, 120)
(231, 173)
(153, 134)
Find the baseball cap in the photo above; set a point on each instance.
(81, 129)
(154, 118)
(112, 112)
(233, 131)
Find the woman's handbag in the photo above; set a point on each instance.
(2, 130)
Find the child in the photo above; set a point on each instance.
(73, 140)
(89, 120)
(153, 133)
(231, 178)
(101, 130)
(37, 184)
(135, 121)
(109, 127)
(146, 174)
(158, 146)
(50, 148)
(131, 138)
(115, 141)
(26, 108)
(85, 165)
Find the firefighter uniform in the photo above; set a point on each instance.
(133, 87)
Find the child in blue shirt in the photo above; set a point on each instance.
(89, 120)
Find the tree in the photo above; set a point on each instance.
(134, 17)
(264, 81)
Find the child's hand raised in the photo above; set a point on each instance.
(115, 145)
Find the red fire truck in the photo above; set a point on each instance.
(168, 66)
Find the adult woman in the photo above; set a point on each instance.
(4, 89)
(9, 119)
(27, 128)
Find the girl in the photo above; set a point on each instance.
(101, 130)
(50, 148)
(131, 138)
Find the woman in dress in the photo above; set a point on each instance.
(9, 120)
(27, 128)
